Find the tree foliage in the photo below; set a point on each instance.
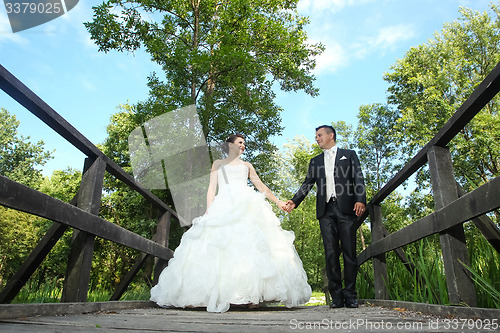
(20, 160)
(225, 57)
(293, 164)
(426, 87)
(378, 152)
(433, 80)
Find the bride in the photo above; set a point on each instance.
(237, 253)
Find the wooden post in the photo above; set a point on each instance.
(453, 246)
(379, 261)
(76, 283)
(162, 235)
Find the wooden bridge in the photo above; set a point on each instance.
(453, 208)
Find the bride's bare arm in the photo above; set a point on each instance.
(212, 187)
(263, 188)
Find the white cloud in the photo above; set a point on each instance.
(6, 34)
(351, 35)
(387, 39)
(87, 83)
(81, 13)
(339, 53)
(333, 58)
(320, 6)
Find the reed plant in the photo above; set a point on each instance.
(426, 286)
(485, 271)
(427, 283)
(51, 291)
(365, 285)
(36, 292)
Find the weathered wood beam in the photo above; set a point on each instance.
(485, 225)
(122, 287)
(400, 253)
(23, 198)
(483, 93)
(161, 237)
(379, 261)
(482, 200)
(34, 259)
(77, 279)
(461, 288)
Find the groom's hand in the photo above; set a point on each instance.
(359, 208)
(290, 205)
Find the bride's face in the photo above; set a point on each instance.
(238, 146)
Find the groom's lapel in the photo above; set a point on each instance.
(339, 154)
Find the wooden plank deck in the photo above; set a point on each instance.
(366, 318)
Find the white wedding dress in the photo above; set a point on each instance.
(237, 253)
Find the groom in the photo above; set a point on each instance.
(340, 199)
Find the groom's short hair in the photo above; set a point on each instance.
(329, 129)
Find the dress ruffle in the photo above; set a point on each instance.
(237, 253)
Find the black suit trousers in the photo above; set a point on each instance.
(338, 237)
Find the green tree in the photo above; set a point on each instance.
(433, 80)
(20, 159)
(426, 87)
(293, 164)
(62, 185)
(225, 57)
(377, 151)
(18, 234)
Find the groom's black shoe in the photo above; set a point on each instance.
(337, 303)
(351, 303)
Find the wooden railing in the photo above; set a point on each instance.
(453, 206)
(81, 213)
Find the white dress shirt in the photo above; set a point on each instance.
(329, 168)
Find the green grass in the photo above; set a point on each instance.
(317, 298)
(485, 271)
(33, 292)
(51, 291)
(429, 287)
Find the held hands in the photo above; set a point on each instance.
(286, 206)
(290, 205)
(281, 205)
(359, 207)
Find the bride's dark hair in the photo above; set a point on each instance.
(233, 137)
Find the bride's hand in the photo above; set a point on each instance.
(282, 205)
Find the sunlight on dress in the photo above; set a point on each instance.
(235, 254)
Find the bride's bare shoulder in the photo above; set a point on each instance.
(217, 164)
(248, 165)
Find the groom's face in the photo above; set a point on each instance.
(324, 139)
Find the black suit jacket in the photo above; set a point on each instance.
(349, 182)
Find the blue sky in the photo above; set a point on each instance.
(363, 38)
